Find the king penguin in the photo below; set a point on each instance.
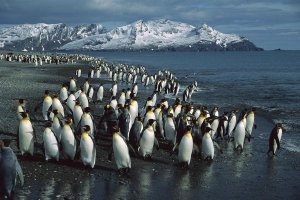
(274, 139)
(208, 149)
(9, 169)
(100, 93)
(51, 149)
(239, 132)
(250, 123)
(147, 140)
(26, 135)
(121, 152)
(87, 147)
(186, 148)
(68, 140)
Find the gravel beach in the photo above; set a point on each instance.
(231, 175)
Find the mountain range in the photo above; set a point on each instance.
(155, 35)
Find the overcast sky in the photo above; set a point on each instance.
(270, 24)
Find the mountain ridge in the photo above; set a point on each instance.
(155, 35)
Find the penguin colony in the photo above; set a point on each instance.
(134, 127)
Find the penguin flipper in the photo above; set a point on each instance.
(19, 172)
(34, 134)
(67, 108)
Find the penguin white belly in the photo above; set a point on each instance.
(87, 151)
(149, 116)
(100, 94)
(208, 149)
(50, 145)
(63, 95)
(26, 142)
(56, 105)
(122, 100)
(56, 128)
(185, 149)
(161, 125)
(146, 143)
(87, 120)
(68, 142)
(98, 74)
(170, 130)
(279, 138)
(214, 127)
(239, 135)
(46, 105)
(72, 86)
(71, 102)
(83, 100)
(77, 114)
(133, 111)
(121, 153)
(249, 124)
(231, 125)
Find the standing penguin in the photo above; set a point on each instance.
(56, 105)
(208, 150)
(87, 147)
(71, 101)
(124, 121)
(63, 94)
(9, 169)
(136, 131)
(121, 152)
(57, 125)
(72, 87)
(250, 124)
(186, 148)
(84, 102)
(51, 149)
(170, 129)
(26, 135)
(100, 93)
(274, 139)
(231, 123)
(46, 104)
(239, 132)
(147, 140)
(87, 119)
(68, 140)
(77, 113)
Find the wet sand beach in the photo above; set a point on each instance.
(231, 175)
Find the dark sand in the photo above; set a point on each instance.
(249, 175)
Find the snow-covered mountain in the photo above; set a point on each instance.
(141, 35)
(44, 36)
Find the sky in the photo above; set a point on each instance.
(269, 24)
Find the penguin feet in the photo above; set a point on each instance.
(184, 165)
(148, 157)
(123, 171)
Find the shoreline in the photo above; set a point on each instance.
(230, 175)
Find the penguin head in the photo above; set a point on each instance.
(77, 103)
(24, 115)
(46, 92)
(55, 96)
(188, 128)
(149, 108)
(279, 125)
(55, 112)
(207, 129)
(86, 128)
(21, 101)
(151, 121)
(68, 121)
(87, 109)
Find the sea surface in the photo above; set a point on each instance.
(267, 80)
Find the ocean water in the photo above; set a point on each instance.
(268, 80)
